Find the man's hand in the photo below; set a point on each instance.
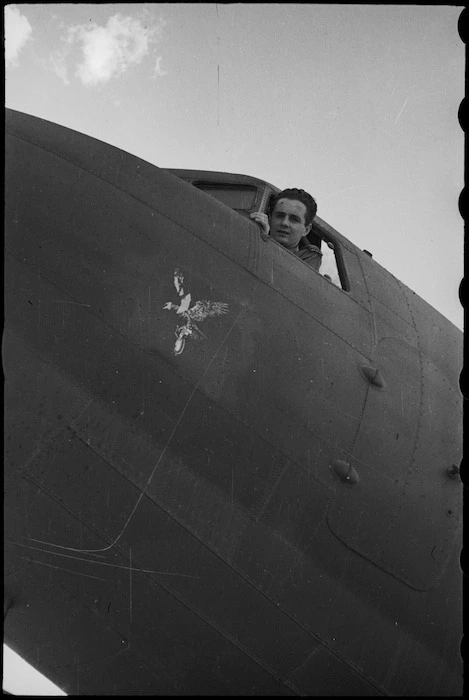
(263, 221)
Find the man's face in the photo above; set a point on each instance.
(287, 223)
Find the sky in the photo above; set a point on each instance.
(20, 678)
(357, 104)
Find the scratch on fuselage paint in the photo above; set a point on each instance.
(294, 333)
(97, 552)
(135, 569)
(61, 568)
(130, 584)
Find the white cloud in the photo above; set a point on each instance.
(57, 59)
(107, 51)
(17, 32)
(158, 70)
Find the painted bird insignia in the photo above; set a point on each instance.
(191, 314)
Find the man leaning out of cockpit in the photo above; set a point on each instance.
(290, 218)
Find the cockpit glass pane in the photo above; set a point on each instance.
(234, 196)
(329, 268)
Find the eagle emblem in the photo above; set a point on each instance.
(191, 315)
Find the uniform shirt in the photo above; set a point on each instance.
(311, 255)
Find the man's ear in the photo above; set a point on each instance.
(308, 229)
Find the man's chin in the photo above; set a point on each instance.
(282, 238)
(285, 240)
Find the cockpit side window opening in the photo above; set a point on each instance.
(332, 265)
(241, 198)
(246, 198)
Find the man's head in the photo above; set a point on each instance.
(291, 214)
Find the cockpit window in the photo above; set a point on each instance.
(242, 198)
(238, 197)
(329, 268)
(332, 267)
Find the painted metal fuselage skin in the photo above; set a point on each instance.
(179, 516)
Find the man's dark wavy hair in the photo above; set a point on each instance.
(301, 196)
